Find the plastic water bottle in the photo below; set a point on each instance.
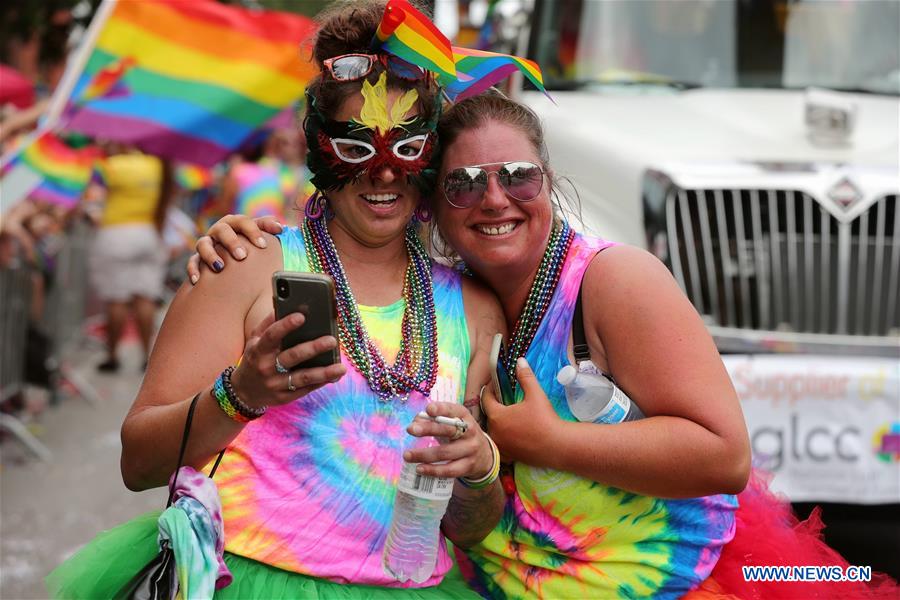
(593, 398)
(411, 548)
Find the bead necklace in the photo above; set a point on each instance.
(416, 365)
(539, 296)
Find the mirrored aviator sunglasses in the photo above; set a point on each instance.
(521, 180)
(353, 67)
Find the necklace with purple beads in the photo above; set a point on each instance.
(539, 296)
(416, 365)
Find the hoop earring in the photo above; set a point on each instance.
(316, 206)
(423, 213)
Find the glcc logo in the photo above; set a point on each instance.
(886, 442)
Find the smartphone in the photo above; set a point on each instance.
(311, 294)
(499, 377)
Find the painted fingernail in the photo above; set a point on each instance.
(261, 242)
(218, 266)
(195, 279)
(240, 253)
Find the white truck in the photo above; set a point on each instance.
(754, 147)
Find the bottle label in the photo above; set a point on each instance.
(424, 486)
(617, 408)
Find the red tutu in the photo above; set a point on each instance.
(769, 534)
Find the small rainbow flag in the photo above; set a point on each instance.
(477, 70)
(108, 81)
(410, 35)
(65, 171)
(193, 178)
(200, 76)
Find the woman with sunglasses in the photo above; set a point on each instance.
(313, 455)
(637, 509)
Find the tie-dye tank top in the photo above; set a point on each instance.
(309, 487)
(266, 188)
(564, 536)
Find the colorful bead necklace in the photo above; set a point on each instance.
(539, 296)
(415, 368)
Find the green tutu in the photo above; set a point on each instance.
(108, 562)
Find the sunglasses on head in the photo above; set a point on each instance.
(353, 67)
(521, 180)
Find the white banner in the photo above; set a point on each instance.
(828, 428)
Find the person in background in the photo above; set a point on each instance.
(270, 186)
(128, 257)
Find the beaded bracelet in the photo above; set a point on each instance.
(492, 474)
(229, 402)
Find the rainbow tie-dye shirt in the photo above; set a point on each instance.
(266, 188)
(309, 487)
(564, 536)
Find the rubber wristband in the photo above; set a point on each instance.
(492, 475)
(230, 404)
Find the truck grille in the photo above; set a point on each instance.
(777, 260)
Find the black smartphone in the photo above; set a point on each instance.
(499, 377)
(311, 294)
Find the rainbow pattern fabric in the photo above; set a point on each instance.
(477, 70)
(564, 536)
(310, 486)
(266, 188)
(200, 76)
(193, 177)
(65, 171)
(407, 33)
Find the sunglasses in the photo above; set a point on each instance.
(353, 67)
(521, 180)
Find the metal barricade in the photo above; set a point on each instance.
(65, 312)
(15, 297)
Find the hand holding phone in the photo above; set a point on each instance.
(312, 295)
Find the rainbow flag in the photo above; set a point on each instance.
(193, 177)
(65, 171)
(107, 82)
(477, 70)
(200, 76)
(410, 35)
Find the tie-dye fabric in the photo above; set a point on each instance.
(266, 188)
(564, 536)
(310, 486)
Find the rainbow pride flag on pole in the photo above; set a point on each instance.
(64, 171)
(410, 35)
(199, 76)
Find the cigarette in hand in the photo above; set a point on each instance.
(451, 421)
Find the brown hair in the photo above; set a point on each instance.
(348, 27)
(492, 105)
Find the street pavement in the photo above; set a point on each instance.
(49, 509)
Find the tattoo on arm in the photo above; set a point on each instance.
(472, 515)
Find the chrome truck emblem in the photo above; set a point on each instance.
(845, 193)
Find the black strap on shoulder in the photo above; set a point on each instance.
(184, 439)
(579, 340)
